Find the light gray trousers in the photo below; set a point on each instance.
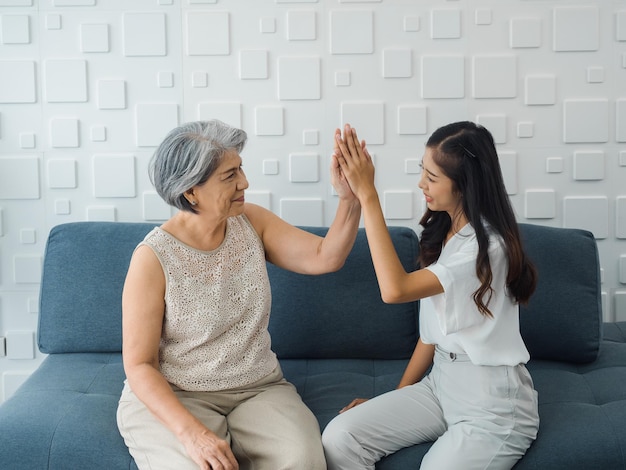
(480, 417)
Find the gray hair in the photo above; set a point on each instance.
(189, 155)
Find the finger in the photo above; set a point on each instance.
(337, 133)
(343, 149)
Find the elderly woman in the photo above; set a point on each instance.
(204, 389)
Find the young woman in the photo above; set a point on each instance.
(478, 402)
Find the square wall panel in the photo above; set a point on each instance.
(62, 173)
(260, 198)
(304, 168)
(367, 118)
(65, 80)
(27, 269)
(397, 63)
(508, 165)
(228, 112)
(540, 204)
(398, 205)
(445, 23)
(111, 94)
(114, 176)
(19, 177)
(586, 121)
(20, 344)
(155, 208)
(153, 121)
(101, 214)
(253, 64)
(144, 35)
(17, 81)
(94, 38)
(310, 137)
(540, 90)
(554, 165)
(208, 33)
(620, 217)
(270, 166)
(525, 32)
(620, 306)
(495, 124)
(269, 120)
(299, 78)
(443, 77)
(14, 29)
(587, 213)
(620, 120)
(301, 25)
(494, 76)
(64, 133)
(302, 211)
(576, 28)
(589, 165)
(351, 32)
(62, 207)
(620, 25)
(412, 119)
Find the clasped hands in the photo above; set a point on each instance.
(353, 164)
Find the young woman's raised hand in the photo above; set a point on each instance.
(355, 162)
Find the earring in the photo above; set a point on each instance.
(194, 203)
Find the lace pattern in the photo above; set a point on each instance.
(218, 302)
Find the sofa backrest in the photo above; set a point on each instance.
(341, 314)
(333, 315)
(80, 299)
(563, 320)
(336, 315)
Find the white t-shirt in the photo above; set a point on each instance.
(452, 319)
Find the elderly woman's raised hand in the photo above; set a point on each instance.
(337, 178)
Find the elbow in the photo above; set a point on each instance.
(391, 296)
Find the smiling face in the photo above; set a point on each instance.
(222, 195)
(439, 190)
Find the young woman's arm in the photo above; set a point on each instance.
(421, 360)
(396, 285)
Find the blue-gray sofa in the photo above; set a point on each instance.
(335, 339)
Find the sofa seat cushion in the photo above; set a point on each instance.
(64, 416)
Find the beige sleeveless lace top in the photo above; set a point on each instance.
(217, 306)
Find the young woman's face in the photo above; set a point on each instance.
(437, 187)
(222, 195)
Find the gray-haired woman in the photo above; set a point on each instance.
(204, 390)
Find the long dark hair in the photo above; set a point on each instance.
(466, 154)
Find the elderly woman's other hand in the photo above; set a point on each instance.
(209, 451)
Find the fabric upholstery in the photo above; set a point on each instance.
(350, 319)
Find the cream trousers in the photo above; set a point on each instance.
(266, 423)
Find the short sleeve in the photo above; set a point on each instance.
(455, 309)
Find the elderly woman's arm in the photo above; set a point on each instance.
(300, 251)
(296, 250)
(143, 307)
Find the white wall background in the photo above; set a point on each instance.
(88, 88)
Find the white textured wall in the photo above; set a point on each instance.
(89, 87)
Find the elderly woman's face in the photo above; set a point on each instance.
(223, 193)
